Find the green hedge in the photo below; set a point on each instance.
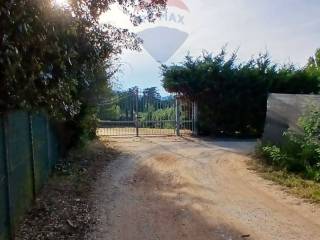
(232, 96)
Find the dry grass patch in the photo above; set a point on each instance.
(293, 183)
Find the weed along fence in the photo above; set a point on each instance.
(28, 153)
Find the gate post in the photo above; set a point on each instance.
(195, 118)
(177, 116)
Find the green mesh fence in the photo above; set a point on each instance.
(28, 152)
(40, 149)
(4, 208)
(53, 147)
(18, 146)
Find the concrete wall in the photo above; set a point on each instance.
(283, 113)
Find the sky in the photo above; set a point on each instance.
(288, 29)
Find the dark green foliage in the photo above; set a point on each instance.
(232, 96)
(150, 95)
(60, 59)
(288, 79)
(110, 110)
(301, 151)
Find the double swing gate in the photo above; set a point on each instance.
(134, 114)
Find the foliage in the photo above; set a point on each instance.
(159, 115)
(111, 112)
(164, 114)
(314, 62)
(150, 96)
(274, 154)
(60, 59)
(151, 107)
(109, 108)
(232, 96)
(289, 79)
(301, 151)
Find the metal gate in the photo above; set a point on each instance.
(143, 113)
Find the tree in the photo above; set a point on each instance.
(150, 97)
(314, 62)
(61, 60)
(51, 56)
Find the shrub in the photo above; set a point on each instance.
(274, 155)
(301, 151)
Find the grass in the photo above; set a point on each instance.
(295, 184)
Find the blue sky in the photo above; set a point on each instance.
(288, 29)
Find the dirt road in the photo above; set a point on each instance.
(173, 188)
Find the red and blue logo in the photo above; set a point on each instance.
(163, 40)
(178, 3)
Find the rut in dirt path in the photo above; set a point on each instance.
(174, 188)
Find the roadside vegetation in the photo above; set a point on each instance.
(300, 152)
(295, 162)
(294, 184)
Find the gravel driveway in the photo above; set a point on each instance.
(177, 188)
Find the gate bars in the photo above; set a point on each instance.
(134, 114)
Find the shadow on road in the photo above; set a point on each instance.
(154, 202)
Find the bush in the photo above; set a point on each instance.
(274, 155)
(301, 151)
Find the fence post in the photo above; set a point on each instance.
(33, 167)
(7, 171)
(137, 113)
(177, 116)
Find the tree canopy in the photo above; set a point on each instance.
(60, 59)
